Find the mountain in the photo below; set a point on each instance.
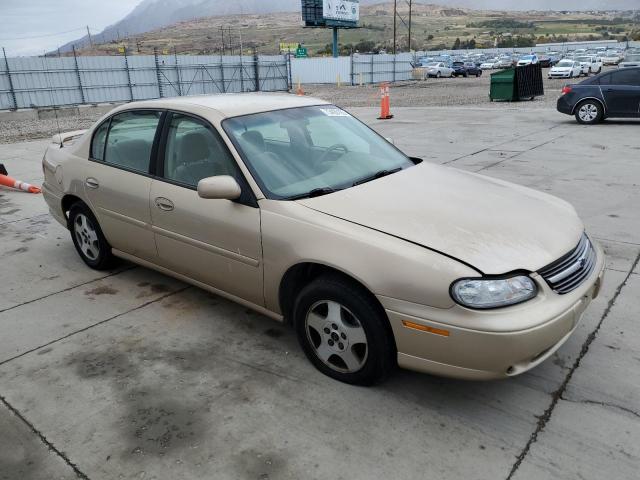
(154, 14)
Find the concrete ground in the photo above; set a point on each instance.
(131, 374)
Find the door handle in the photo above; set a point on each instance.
(92, 183)
(164, 204)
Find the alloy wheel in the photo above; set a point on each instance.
(86, 236)
(337, 336)
(588, 112)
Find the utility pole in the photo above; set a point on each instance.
(223, 45)
(395, 21)
(230, 37)
(410, 14)
(89, 35)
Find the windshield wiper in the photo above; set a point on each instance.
(316, 192)
(375, 176)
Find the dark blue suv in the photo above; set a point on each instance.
(466, 69)
(612, 94)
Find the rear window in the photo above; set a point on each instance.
(130, 140)
(99, 141)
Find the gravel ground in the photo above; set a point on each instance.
(444, 92)
(17, 130)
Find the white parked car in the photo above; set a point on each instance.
(590, 64)
(566, 69)
(439, 69)
(488, 64)
(611, 57)
(528, 60)
(504, 62)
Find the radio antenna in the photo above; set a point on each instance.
(53, 102)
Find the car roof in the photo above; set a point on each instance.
(232, 104)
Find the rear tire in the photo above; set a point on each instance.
(589, 112)
(87, 236)
(343, 332)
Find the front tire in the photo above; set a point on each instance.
(589, 112)
(344, 332)
(88, 238)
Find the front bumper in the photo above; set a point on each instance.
(433, 345)
(560, 75)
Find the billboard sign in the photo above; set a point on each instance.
(343, 10)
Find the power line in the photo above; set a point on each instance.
(41, 36)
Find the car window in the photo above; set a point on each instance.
(328, 149)
(625, 77)
(195, 151)
(99, 140)
(325, 132)
(130, 140)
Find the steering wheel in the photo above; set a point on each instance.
(330, 150)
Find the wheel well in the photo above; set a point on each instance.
(67, 202)
(604, 108)
(300, 275)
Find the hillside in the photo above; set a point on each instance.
(154, 14)
(434, 27)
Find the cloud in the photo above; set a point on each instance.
(35, 26)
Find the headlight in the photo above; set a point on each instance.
(481, 293)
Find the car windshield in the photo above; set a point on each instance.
(309, 151)
(433, 64)
(527, 57)
(565, 63)
(583, 59)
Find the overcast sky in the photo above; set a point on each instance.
(30, 27)
(35, 18)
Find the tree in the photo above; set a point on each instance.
(456, 44)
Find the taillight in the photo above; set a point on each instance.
(566, 89)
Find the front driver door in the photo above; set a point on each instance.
(621, 91)
(216, 242)
(117, 180)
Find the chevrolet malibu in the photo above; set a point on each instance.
(294, 208)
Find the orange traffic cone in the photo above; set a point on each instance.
(12, 183)
(299, 90)
(385, 103)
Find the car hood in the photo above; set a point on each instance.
(494, 226)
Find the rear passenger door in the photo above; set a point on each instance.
(118, 180)
(621, 91)
(216, 242)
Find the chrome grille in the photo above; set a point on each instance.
(569, 272)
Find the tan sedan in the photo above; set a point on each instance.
(292, 207)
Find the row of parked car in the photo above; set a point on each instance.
(562, 65)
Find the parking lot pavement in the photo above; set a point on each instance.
(131, 374)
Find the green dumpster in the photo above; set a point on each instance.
(503, 85)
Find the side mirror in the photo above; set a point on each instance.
(223, 187)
